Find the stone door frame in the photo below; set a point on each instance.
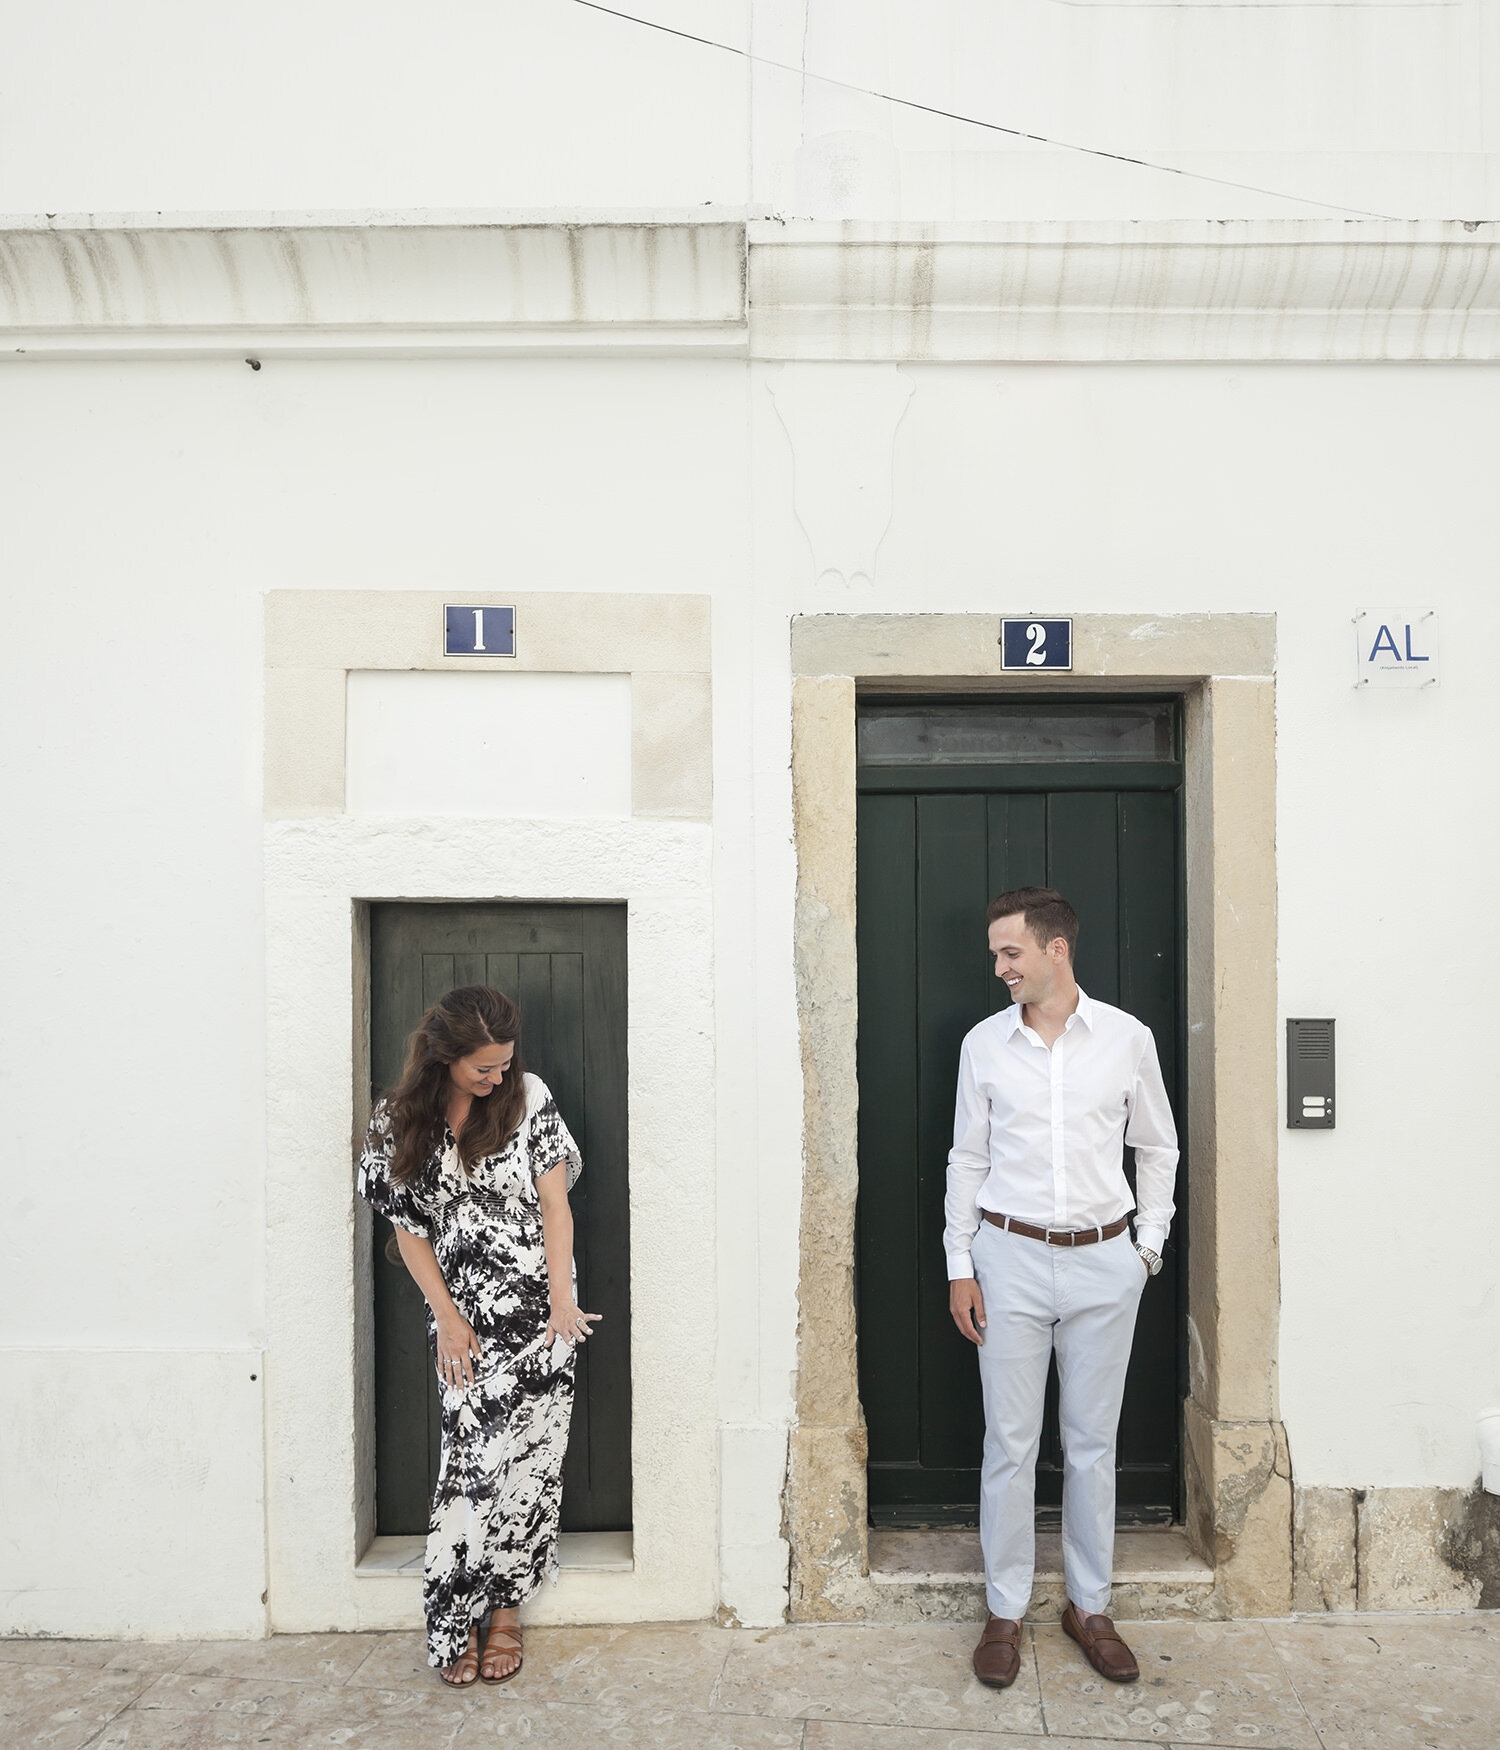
(1238, 1482)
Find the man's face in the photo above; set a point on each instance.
(1028, 969)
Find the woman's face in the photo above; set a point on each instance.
(483, 1070)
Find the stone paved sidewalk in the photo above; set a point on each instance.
(1331, 1683)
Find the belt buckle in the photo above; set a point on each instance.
(1065, 1236)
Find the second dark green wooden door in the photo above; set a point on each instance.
(934, 848)
(565, 966)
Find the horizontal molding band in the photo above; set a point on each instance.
(625, 340)
(226, 290)
(1021, 775)
(799, 291)
(1236, 290)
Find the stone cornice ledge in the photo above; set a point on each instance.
(89, 288)
(1224, 290)
(415, 285)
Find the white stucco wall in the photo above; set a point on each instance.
(1309, 492)
(460, 104)
(1271, 108)
(1275, 108)
(150, 505)
(162, 501)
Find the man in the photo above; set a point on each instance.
(1040, 1257)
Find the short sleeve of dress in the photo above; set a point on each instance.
(548, 1139)
(385, 1195)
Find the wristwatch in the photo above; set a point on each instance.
(1152, 1260)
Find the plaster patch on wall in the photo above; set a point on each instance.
(431, 742)
(184, 1449)
(843, 461)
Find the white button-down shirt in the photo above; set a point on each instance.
(1040, 1135)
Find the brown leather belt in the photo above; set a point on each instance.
(1057, 1236)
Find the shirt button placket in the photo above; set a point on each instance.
(1059, 1159)
(1061, 1276)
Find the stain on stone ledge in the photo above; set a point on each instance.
(1471, 1545)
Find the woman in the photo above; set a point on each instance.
(469, 1159)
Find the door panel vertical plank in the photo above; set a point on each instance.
(404, 1383)
(395, 989)
(886, 1212)
(534, 993)
(437, 977)
(600, 1498)
(1083, 862)
(1148, 919)
(567, 1039)
(1017, 856)
(1017, 840)
(953, 969)
(1149, 990)
(567, 1064)
(500, 973)
(468, 969)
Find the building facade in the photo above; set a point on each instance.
(762, 393)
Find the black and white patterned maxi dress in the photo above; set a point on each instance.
(493, 1533)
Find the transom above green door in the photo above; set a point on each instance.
(958, 803)
(565, 966)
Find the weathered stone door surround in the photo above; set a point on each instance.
(1239, 1488)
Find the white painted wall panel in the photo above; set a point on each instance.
(1270, 109)
(132, 1492)
(538, 745)
(514, 105)
(457, 104)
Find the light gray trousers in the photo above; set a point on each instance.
(1081, 1301)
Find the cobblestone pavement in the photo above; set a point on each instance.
(1330, 1683)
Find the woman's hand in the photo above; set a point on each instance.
(571, 1325)
(457, 1350)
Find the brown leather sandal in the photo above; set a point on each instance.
(493, 1652)
(465, 1668)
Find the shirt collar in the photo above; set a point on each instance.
(1084, 1012)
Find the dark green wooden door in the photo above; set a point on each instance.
(936, 843)
(565, 966)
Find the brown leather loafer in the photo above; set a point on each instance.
(1102, 1646)
(997, 1658)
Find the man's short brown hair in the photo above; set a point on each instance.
(1043, 910)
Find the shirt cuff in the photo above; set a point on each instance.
(960, 1267)
(1152, 1235)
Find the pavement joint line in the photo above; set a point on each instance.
(1312, 1724)
(1036, 1666)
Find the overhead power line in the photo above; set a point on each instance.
(974, 121)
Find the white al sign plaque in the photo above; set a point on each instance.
(1396, 647)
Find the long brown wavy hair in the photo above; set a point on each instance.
(464, 1021)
